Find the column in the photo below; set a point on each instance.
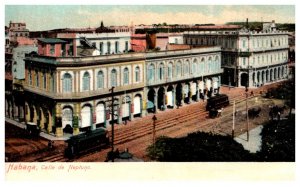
(155, 100)
(120, 111)
(34, 115)
(144, 102)
(190, 92)
(93, 125)
(59, 131)
(174, 96)
(131, 106)
(164, 97)
(42, 120)
(50, 122)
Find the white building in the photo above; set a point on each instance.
(252, 57)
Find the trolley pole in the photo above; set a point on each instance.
(112, 124)
(233, 119)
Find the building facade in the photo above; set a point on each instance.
(248, 57)
(75, 92)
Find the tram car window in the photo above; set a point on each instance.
(32, 129)
(86, 142)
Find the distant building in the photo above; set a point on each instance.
(17, 30)
(252, 57)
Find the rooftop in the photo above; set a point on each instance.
(51, 40)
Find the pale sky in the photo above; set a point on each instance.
(44, 17)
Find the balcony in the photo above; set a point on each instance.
(81, 95)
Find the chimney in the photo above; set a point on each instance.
(247, 25)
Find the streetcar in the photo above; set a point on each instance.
(86, 142)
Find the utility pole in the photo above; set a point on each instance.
(112, 124)
(153, 133)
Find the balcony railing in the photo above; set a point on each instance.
(84, 94)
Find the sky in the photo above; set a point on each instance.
(45, 17)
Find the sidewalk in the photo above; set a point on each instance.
(254, 143)
(42, 134)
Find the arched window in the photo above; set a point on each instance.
(186, 68)
(100, 80)
(126, 76)
(194, 69)
(113, 78)
(37, 83)
(161, 71)
(67, 83)
(151, 72)
(86, 81)
(170, 70)
(137, 74)
(178, 69)
(52, 82)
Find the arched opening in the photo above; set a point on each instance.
(186, 93)
(137, 106)
(271, 75)
(253, 79)
(161, 98)
(208, 90)
(275, 74)
(170, 97)
(178, 94)
(150, 103)
(201, 89)
(279, 73)
(267, 76)
(258, 78)
(100, 114)
(263, 77)
(244, 79)
(193, 91)
(86, 117)
(67, 119)
(126, 108)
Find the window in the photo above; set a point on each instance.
(86, 81)
(244, 61)
(151, 72)
(178, 69)
(126, 76)
(126, 46)
(37, 79)
(244, 43)
(161, 71)
(113, 78)
(186, 67)
(52, 49)
(108, 47)
(101, 48)
(67, 83)
(100, 80)
(116, 47)
(137, 74)
(194, 69)
(176, 40)
(45, 80)
(170, 69)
